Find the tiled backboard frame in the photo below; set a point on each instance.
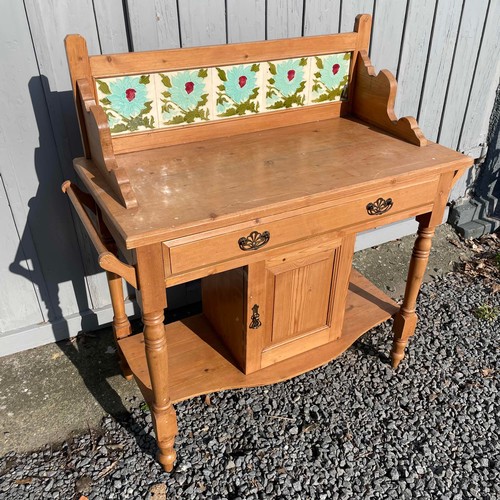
(169, 99)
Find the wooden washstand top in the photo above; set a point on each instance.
(187, 188)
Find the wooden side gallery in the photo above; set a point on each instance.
(253, 167)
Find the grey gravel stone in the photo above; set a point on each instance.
(351, 429)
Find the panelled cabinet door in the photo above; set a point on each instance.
(305, 299)
(280, 307)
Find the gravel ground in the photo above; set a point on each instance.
(351, 429)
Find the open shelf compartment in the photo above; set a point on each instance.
(200, 364)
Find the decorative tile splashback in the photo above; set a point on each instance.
(129, 103)
(161, 100)
(184, 96)
(286, 83)
(329, 77)
(237, 90)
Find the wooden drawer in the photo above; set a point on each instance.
(256, 237)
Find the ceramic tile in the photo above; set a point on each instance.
(184, 96)
(237, 90)
(329, 78)
(128, 103)
(286, 83)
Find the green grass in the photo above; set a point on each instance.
(144, 407)
(487, 312)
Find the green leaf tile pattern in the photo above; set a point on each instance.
(237, 90)
(286, 83)
(178, 98)
(329, 77)
(128, 103)
(184, 97)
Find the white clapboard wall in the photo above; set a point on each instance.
(443, 52)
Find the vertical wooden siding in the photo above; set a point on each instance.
(443, 52)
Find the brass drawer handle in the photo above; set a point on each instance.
(254, 240)
(379, 207)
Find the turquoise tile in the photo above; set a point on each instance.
(128, 102)
(329, 78)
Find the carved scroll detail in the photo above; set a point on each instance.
(100, 147)
(373, 102)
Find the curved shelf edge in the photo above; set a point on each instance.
(200, 364)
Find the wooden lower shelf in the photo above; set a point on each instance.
(200, 364)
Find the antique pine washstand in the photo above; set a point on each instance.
(251, 166)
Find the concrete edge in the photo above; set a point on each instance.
(45, 333)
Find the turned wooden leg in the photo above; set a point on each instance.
(406, 319)
(163, 413)
(152, 298)
(121, 324)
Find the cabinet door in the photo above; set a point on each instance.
(305, 299)
(273, 309)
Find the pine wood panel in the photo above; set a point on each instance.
(257, 294)
(342, 266)
(301, 296)
(373, 102)
(196, 368)
(199, 250)
(224, 305)
(217, 55)
(341, 168)
(142, 141)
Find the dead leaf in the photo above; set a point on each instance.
(56, 355)
(158, 491)
(83, 498)
(107, 470)
(455, 243)
(310, 427)
(487, 372)
(207, 400)
(115, 446)
(495, 288)
(348, 436)
(25, 480)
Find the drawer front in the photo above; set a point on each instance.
(370, 210)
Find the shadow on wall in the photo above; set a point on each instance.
(53, 258)
(481, 214)
(489, 180)
(49, 241)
